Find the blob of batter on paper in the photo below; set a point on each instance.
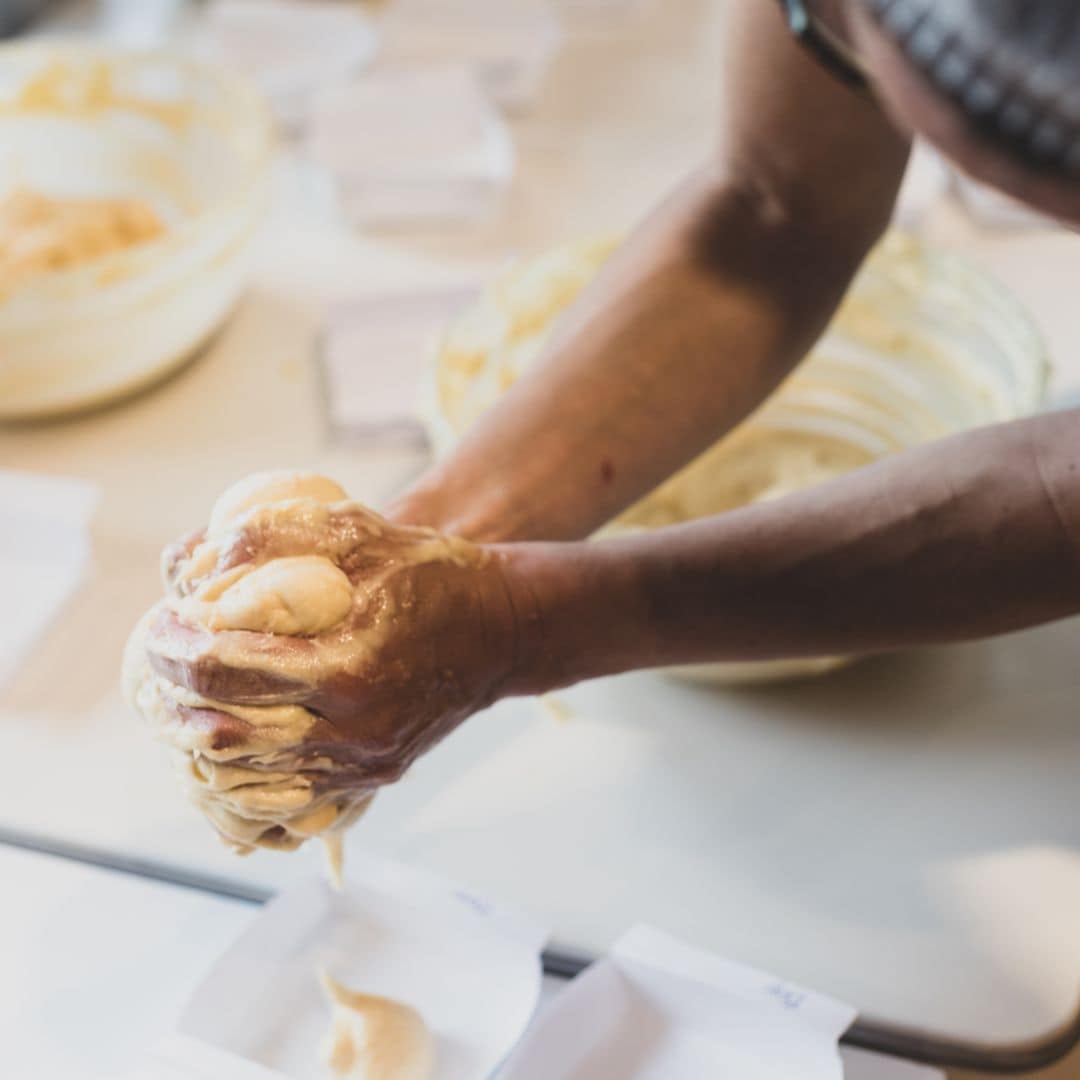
(375, 1038)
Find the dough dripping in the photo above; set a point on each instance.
(375, 1038)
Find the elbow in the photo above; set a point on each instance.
(760, 232)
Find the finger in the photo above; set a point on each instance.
(231, 750)
(209, 730)
(176, 556)
(236, 667)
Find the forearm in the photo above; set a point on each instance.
(700, 313)
(688, 328)
(973, 536)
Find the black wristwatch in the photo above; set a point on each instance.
(812, 32)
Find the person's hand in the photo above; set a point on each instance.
(400, 635)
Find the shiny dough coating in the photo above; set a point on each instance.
(261, 791)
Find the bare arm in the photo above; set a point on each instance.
(972, 536)
(703, 311)
(975, 535)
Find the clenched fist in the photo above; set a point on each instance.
(308, 651)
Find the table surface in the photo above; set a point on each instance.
(903, 835)
(97, 984)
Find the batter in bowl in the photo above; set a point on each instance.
(40, 233)
(375, 1038)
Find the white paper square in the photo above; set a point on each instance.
(470, 967)
(413, 145)
(657, 1009)
(375, 353)
(509, 45)
(289, 48)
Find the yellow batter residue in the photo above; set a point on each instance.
(375, 1038)
(83, 89)
(40, 234)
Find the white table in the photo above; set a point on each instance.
(904, 836)
(123, 956)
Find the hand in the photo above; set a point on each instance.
(426, 640)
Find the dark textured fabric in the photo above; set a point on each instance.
(15, 14)
(1012, 65)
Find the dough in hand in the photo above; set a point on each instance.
(301, 595)
(375, 1038)
(260, 789)
(269, 487)
(272, 563)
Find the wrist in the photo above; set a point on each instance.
(577, 614)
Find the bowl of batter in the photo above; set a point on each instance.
(131, 188)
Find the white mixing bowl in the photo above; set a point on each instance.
(83, 122)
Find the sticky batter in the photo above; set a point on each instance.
(301, 595)
(265, 788)
(375, 1038)
(40, 234)
(261, 790)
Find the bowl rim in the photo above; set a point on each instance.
(242, 101)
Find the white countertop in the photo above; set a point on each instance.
(94, 1003)
(903, 836)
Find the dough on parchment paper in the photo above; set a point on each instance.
(375, 1038)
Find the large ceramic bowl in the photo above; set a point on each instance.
(96, 123)
(924, 345)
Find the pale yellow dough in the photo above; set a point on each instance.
(39, 233)
(264, 787)
(298, 595)
(375, 1038)
(301, 595)
(267, 488)
(259, 791)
